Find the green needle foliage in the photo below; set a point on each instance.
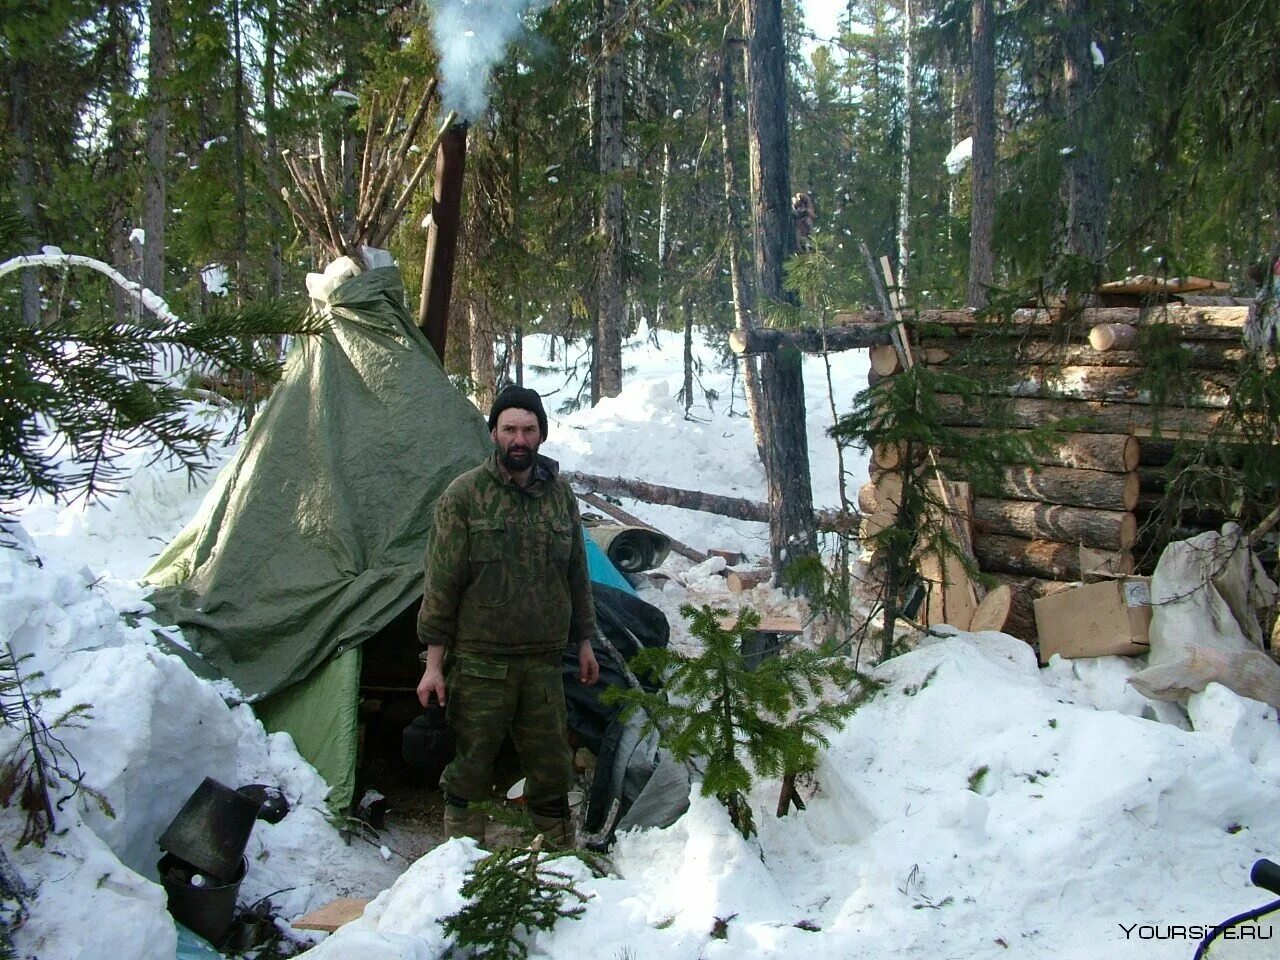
(81, 390)
(511, 892)
(726, 714)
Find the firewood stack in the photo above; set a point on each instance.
(1084, 507)
(392, 165)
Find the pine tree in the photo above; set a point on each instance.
(765, 722)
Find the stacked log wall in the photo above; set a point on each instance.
(1100, 486)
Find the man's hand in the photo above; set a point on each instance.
(432, 678)
(588, 669)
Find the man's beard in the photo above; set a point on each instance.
(516, 458)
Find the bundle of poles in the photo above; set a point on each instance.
(387, 178)
(1084, 506)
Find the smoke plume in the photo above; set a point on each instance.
(472, 36)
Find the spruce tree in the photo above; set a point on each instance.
(741, 722)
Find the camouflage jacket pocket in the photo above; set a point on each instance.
(490, 577)
(470, 665)
(560, 544)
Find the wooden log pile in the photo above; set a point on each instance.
(1087, 504)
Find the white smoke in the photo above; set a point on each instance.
(472, 36)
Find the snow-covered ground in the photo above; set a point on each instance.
(977, 807)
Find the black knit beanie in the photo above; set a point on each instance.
(522, 398)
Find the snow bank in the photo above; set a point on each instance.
(155, 732)
(976, 806)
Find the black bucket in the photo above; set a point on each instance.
(212, 829)
(208, 909)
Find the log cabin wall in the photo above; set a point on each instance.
(1095, 494)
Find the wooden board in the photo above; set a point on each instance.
(332, 915)
(993, 611)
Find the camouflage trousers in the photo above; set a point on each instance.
(491, 696)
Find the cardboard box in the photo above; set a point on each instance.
(1096, 620)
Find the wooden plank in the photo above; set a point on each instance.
(332, 915)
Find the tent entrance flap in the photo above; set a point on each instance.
(322, 715)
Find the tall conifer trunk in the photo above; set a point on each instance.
(157, 144)
(1084, 170)
(982, 219)
(610, 307)
(904, 182)
(791, 534)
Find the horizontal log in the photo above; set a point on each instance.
(1096, 416)
(1107, 529)
(1065, 486)
(1111, 384)
(809, 339)
(1211, 355)
(738, 508)
(885, 360)
(1110, 452)
(1047, 559)
(1193, 322)
(1113, 336)
(1021, 622)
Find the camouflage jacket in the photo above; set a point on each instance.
(506, 568)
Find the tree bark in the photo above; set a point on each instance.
(1105, 529)
(1039, 558)
(483, 375)
(1084, 169)
(154, 212)
(791, 533)
(241, 121)
(808, 339)
(1100, 417)
(983, 167)
(1204, 354)
(687, 388)
(1192, 322)
(270, 120)
(743, 292)
(610, 305)
(118, 49)
(736, 507)
(1121, 384)
(25, 177)
(904, 176)
(1068, 487)
(1107, 452)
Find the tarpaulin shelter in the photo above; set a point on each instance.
(311, 543)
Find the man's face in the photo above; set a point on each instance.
(518, 437)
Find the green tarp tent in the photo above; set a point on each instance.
(313, 538)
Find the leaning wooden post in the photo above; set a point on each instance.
(442, 238)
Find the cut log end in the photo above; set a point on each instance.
(1113, 336)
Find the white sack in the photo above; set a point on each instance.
(1209, 598)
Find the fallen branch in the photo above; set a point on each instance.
(738, 508)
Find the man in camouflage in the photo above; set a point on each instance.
(506, 588)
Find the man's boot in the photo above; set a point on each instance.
(460, 820)
(553, 821)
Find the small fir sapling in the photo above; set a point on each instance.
(510, 894)
(769, 721)
(36, 766)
